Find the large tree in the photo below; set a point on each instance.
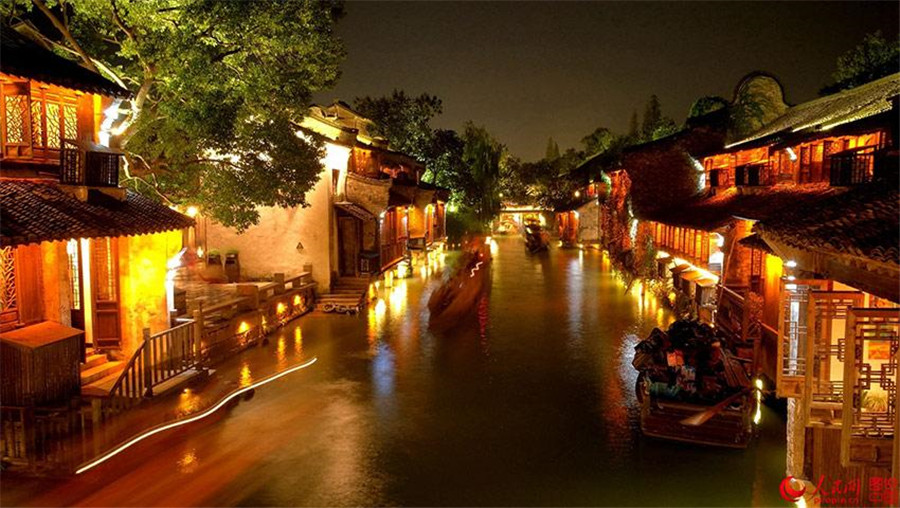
(404, 120)
(482, 157)
(218, 88)
(598, 141)
(875, 57)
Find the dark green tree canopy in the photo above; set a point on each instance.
(706, 105)
(598, 141)
(218, 88)
(482, 156)
(404, 120)
(875, 57)
(552, 151)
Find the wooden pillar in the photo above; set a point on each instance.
(849, 386)
(147, 358)
(198, 335)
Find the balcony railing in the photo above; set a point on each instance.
(90, 165)
(852, 167)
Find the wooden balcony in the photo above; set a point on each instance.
(852, 167)
(89, 165)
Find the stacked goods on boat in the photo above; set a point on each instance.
(692, 388)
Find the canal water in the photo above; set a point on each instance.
(529, 403)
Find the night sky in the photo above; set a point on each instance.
(528, 71)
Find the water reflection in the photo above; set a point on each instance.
(530, 402)
(246, 377)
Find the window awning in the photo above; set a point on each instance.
(355, 210)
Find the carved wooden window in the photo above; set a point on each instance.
(9, 296)
(15, 113)
(757, 270)
(870, 378)
(104, 267)
(74, 266)
(828, 324)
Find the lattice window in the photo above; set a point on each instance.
(9, 292)
(74, 274)
(70, 119)
(37, 124)
(871, 372)
(9, 300)
(16, 107)
(830, 310)
(104, 267)
(53, 125)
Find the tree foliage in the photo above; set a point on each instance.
(217, 89)
(404, 120)
(875, 57)
(482, 156)
(598, 141)
(552, 151)
(707, 104)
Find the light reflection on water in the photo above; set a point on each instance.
(530, 402)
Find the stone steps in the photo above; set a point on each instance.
(105, 369)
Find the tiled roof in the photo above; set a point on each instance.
(25, 59)
(862, 222)
(38, 211)
(761, 203)
(832, 110)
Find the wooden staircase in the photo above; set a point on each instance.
(347, 296)
(99, 374)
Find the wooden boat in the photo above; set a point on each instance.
(458, 297)
(730, 427)
(536, 239)
(692, 388)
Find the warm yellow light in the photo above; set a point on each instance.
(297, 300)
(191, 211)
(280, 308)
(757, 416)
(244, 327)
(577, 194)
(200, 252)
(791, 264)
(487, 240)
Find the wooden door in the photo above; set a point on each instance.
(348, 230)
(105, 286)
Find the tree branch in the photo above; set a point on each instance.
(64, 30)
(121, 23)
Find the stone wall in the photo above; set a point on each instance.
(284, 240)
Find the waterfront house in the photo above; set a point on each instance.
(369, 212)
(83, 261)
(838, 327)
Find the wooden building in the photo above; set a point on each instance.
(839, 318)
(83, 262)
(798, 222)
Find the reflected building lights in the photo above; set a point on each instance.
(298, 342)
(246, 377)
